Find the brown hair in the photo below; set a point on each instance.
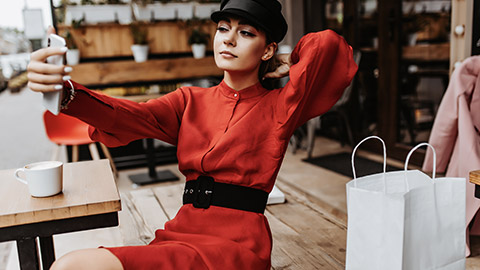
(268, 66)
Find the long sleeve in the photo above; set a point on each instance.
(323, 66)
(116, 122)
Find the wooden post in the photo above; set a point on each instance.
(389, 46)
(460, 44)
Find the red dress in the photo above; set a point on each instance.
(237, 137)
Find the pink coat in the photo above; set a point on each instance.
(455, 133)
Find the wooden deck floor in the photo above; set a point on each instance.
(309, 230)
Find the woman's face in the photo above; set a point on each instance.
(238, 46)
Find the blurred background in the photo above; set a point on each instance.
(406, 52)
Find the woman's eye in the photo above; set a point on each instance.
(222, 29)
(247, 33)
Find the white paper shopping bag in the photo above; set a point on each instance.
(405, 220)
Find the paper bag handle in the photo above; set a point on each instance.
(384, 159)
(408, 159)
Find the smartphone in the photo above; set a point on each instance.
(52, 100)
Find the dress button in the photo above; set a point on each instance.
(235, 95)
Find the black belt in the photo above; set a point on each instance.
(204, 192)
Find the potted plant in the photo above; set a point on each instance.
(140, 41)
(198, 40)
(73, 53)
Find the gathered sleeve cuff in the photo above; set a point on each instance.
(116, 122)
(323, 66)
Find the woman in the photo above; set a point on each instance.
(231, 138)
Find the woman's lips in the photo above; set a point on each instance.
(228, 54)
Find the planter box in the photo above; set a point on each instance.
(203, 11)
(159, 12)
(114, 40)
(184, 11)
(98, 14)
(164, 12)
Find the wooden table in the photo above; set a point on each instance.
(89, 200)
(307, 234)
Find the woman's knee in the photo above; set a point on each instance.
(88, 259)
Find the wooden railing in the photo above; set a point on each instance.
(128, 71)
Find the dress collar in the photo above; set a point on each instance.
(249, 92)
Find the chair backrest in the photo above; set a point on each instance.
(65, 129)
(357, 55)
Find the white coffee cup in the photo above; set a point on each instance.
(43, 178)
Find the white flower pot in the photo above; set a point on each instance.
(158, 11)
(98, 13)
(140, 52)
(184, 11)
(163, 12)
(412, 39)
(203, 11)
(73, 57)
(198, 50)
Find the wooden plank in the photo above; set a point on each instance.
(326, 186)
(89, 189)
(475, 177)
(427, 52)
(132, 226)
(327, 236)
(327, 210)
(294, 250)
(170, 198)
(120, 72)
(150, 214)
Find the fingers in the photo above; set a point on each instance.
(44, 68)
(38, 87)
(47, 79)
(44, 77)
(42, 54)
(280, 72)
(285, 58)
(46, 83)
(51, 30)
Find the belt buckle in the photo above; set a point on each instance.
(203, 192)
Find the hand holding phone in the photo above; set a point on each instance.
(52, 100)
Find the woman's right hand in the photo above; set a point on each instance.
(44, 77)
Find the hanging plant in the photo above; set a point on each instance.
(139, 33)
(197, 36)
(71, 44)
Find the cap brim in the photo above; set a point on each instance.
(218, 15)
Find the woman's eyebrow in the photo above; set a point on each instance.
(244, 22)
(225, 19)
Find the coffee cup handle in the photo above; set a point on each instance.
(18, 176)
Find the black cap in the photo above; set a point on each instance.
(267, 14)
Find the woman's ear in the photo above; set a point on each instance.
(269, 51)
